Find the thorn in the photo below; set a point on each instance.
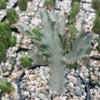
(88, 32)
(55, 21)
(74, 38)
(4, 37)
(46, 11)
(67, 29)
(56, 27)
(57, 18)
(1, 4)
(66, 16)
(87, 57)
(37, 45)
(92, 43)
(71, 63)
(41, 10)
(67, 22)
(91, 48)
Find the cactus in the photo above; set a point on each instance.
(3, 47)
(72, 30)
(98, 14)
(5, 30)
(99, 69)
(12, 41)
(30, 0)
(5, 34)
(36, 30)
(96, 5)
(75, 1)
(12, 16)
(2, 50)
(26, 62)
(38, 56)
(4, 41)
(2, 4)
(6, 0)
(72, 65)
(56, 43)
(22, 4)
(49, 3)
(96, 27)
(5, 86)
(99, 45)
(74, 11)
(14, 36)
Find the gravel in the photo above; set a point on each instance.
(37, 85)
(31, 18)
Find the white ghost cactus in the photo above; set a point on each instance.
(56, 43)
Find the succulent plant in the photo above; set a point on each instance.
(96, 5)
(3, 46)
(74, 11)
(26, 62)
(99, 45)
(96, 27)
(72, 65)
(98, 14)
(6, 86)
(36, 30)
(12, 41)
(2, 50)
(99, 69)
(4, 41)
(5, 34)
(75, 1)
(12, 16)
(30, 0)
(5, 30)
(55, 43)
(2, 4)
(72, 30)
(6, 0)
(49, 3)
(22, 4)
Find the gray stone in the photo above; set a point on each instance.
(36, 98)
(68, 89)
(78, 93)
